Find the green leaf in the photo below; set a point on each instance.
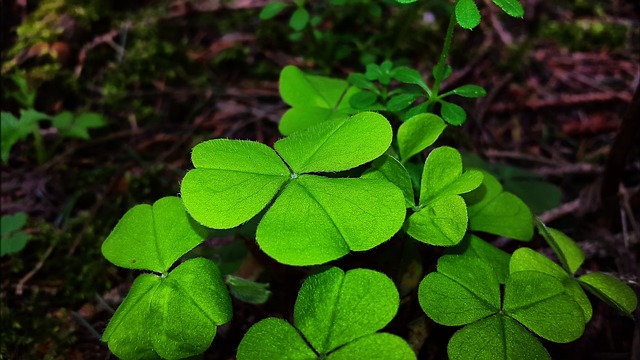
(442, 175)
(539, 302)
(337, 145)
(77, 126)
(314, 99)
(361, 81)
(401, 102)
(495, 338)
(417, 133)
(272, 9)
(172, 317)
(452, 113)
(153, 237)
(467, 14)
(248, 291)
(405, 1)
(388, 168)
(441, 73)
(611, 290)
(569, 253)
(407, 75)
(441, 222)
(274, 339)
(233, 181)
(495, 211)
(378, 346)
(317, 219)
(334, 308)
(525, 259)
(474, 246)
(470, 91)
(14, 130)
(462, 291)
(511, 7)
(299, 19)
(11, 223)
(13, 243)
(363, 100)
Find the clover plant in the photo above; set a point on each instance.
(466, 291)
(169, 314)
(314, 219)
(13, 238)
(336, 316)
(340, 181)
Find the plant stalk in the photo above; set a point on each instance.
(444, 55)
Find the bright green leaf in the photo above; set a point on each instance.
(335, 308)
(153, 237)
(378, 346)
(539, 302)
(511, 7)
(299, 19)
(442, 175)
(248, 291)
(337, 145)
(317, 219)
(272, 9)
(525, 259)
(452, 113)
(611, 290)
(314, 99)
(441, 222)
(495, 338)
(173, 317)
(417, 133)
(569, 253)
(462, 291)
(495, 211)
(470, 91)
(274, 339)
(233, 181)
(474, 246)
(467, 14)
(388, 168)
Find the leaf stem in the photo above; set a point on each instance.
(443, 55)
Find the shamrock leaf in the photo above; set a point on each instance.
(313, 99)
(497, 259)
(612, 291)
(338, 315)
(465, 290)
(314, 219)
(441, 217)
(172, 317)
(153, 237)
(417, 133)
(388, 168)
(495, 211)
(570, 255)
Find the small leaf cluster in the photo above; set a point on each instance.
(13, 238)
(414, 97)
(468, 16)
(66, 123)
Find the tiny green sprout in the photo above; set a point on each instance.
(168, 314)
(337, 316)
(313, 99)
(314, 219)
(465, 291)
(13, 238)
